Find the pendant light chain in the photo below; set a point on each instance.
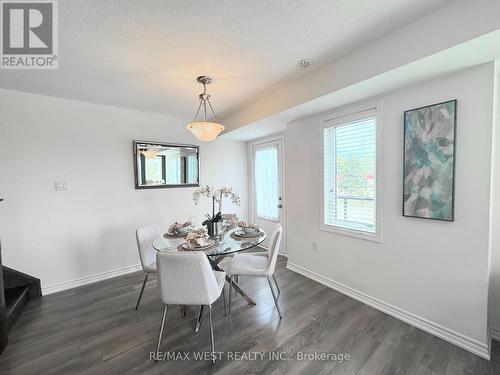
(210, 105)
(198, 111)
(204, 102)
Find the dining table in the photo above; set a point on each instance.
(228, 244)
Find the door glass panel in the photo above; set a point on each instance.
(267, 182)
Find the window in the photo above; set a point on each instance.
(349, 173)
(153, 170)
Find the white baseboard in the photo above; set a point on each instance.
(283, 252)
(456, 338)
(495, 333)
(58, 287)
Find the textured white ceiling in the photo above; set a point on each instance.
(145, 54)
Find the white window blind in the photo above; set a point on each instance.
(349, 172)
(267, 182)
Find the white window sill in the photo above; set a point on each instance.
(374, 237)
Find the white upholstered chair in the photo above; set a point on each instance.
(187, 278)
(260, 264)
(147, 253)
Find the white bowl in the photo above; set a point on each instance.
(183, 230)
(248, 230)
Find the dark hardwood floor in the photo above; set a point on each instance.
(95, 330)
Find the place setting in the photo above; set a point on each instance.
(246, 230)
(179, 230)
(197, 240)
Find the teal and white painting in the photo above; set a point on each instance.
(429, 161)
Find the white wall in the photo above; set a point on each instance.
(494, 305)
(62, 236)
(433, 274)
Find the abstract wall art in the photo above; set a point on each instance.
(429, 161)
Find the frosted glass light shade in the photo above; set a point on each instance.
(204, 130)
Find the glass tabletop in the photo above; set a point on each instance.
(228, 244)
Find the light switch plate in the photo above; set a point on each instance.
(314, 246)
(61, 186)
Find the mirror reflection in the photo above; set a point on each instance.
(160, 165)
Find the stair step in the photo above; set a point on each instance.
(13, 279)
(15, 300)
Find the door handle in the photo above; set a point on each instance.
(280, 206)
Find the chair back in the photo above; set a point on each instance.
(274, 248)
(186, 278)
(145, 237)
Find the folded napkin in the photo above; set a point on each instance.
(196, 238)
(244, 224)
(231, 220)
(173, 228)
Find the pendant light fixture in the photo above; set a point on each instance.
(205, 130)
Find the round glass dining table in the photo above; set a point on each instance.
(227, 245)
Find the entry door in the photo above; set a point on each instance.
(268, 186)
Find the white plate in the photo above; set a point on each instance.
(240, 233)
(176, 234)
(209, 242)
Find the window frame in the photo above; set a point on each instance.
(343, 116)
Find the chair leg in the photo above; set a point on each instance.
(200, 318)
(230, 292)
(142, 291)
(277, 286)
(224, 300)
(274, 297)
(183, 310)
(237, 281)
(211, 334)
(164, 316)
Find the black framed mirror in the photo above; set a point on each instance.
(164, 165)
